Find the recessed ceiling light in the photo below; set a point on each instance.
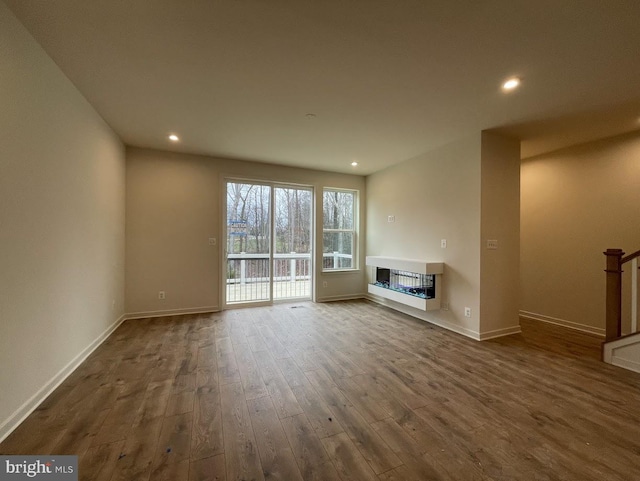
(511, 83)
(174, 138)
(310, 116)
(354, 163)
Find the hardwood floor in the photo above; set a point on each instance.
(340, 391)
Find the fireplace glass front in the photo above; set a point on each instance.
(410, 283)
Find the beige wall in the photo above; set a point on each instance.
(576, 203)
(465, 192)
(433, 196)
(500, 273)
(174, 204)
(61, 223)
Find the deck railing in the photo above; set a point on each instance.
(244, 268)
(244, 272)
(248, 275)
(615, 261)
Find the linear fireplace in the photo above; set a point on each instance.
(411, 282)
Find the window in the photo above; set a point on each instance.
(339, 229)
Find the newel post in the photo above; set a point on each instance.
(614, 293)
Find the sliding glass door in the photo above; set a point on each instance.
(248, 249)
(292, 243)
(269, 242)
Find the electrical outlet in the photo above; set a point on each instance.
(212, 241)
(492, 243)
(324, 283)
(467, 312)
(391, 218)
(443, 243)
(444, 306)
(161, 295)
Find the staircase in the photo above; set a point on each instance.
(618, 349)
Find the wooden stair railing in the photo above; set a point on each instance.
(615, 261)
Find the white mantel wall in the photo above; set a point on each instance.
(464, 192)
(433, 196)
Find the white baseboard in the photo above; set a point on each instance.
(19, 415)
(610, 355)
(172, 312)
(505, 331)
(30, 405)
(438, 322)
(340, 298)
(564, 323)
(626, 364)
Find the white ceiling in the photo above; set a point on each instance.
(387, 80)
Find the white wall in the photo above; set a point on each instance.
(465, 192)
(575, 204)
(500, 268)
(174, 204)
(61, 223)
(433, 196)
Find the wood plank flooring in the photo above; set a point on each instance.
(340, 391)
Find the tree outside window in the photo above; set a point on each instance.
(339, 229)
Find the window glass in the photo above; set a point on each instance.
(339, 229)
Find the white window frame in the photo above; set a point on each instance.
(353, 231)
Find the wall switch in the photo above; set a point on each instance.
(467, 312)
(324, 283)
(443, 243)
(391, 218)
(212, 241)
(161, 295)
(492, 243)
(113, 304)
